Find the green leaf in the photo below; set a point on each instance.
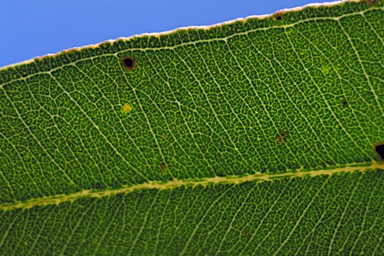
(259, 136)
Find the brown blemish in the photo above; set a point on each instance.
(379, 149)
(345, 103)
(245, 233)
(128, 63)
(163, 167)
(371, 1)
(281, 136)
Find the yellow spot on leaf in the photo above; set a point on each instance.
(127, 108)
(326, 69)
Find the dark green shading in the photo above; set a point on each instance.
(205, 102)
(325, 215)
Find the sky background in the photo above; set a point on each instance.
(30, 29)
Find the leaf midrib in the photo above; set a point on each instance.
(258, 177)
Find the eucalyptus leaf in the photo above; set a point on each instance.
(257, 136)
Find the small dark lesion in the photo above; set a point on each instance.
(245, 233)
(98, 185)
(379, 149)
(278, 16)
(128, 63)
(345, 103)
(163, 167)
(281, 136)
(371, 1)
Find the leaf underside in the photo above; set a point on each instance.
(251, 137)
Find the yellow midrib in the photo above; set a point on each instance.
(178, 183)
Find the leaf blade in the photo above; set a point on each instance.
(259, 97)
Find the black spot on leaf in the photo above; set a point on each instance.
(345, 103)
(379, 148)
(278, 15)
(128, 63)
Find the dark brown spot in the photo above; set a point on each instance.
(379, 148)
(128, 63)
(278, 17)
(371, 1)
(345, 103)
(163, 167)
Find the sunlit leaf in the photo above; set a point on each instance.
(259, 136)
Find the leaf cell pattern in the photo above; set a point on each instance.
(259, 96)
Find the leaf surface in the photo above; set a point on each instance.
(254, 136)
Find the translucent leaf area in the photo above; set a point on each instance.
(259, 136)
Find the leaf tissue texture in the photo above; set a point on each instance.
(256, 136)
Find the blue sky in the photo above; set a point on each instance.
(35, 28)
